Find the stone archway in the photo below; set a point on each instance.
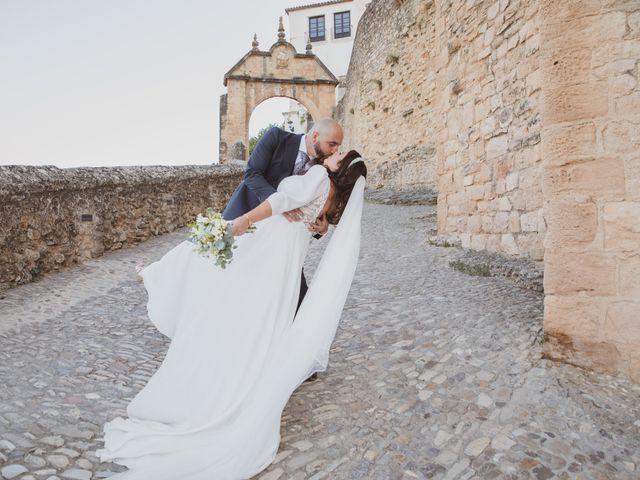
(260, 75)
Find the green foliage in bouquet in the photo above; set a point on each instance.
(213, 237)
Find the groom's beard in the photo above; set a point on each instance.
(320, 155)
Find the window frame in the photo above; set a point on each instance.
(343, 25)
(318, 37)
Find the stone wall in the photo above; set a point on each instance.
(529, 115)
(591, 151)
(488, 162)
(387, 110)
(51, 218)
(445, 95)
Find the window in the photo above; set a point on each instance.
(316, 28)
(342, 24)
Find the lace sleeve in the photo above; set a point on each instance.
(299, 190)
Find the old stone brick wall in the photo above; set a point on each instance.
(530, 111)
(457, 111)
(387, 110)
(591, 150)
(489, 189)
(51, 217)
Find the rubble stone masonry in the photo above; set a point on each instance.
(446, 95)
(387, 111)
(489, 152)
(51, 217)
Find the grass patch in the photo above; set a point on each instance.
(36, 272)
(477, 270)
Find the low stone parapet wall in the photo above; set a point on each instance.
(51, 217)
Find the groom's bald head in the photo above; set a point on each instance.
(327, 126)
(325, 137)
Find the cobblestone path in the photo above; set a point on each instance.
(433, 374)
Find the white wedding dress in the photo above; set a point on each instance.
(212, 410)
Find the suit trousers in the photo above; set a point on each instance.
(303, 290)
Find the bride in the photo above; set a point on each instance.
(212, 410)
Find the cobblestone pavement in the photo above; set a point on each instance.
(433, 374)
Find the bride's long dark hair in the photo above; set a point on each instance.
(343, 180)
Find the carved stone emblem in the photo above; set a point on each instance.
(282, 60)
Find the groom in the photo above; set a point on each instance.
(280, 154)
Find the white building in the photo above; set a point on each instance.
(330, 27)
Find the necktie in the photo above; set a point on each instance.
(303, 163)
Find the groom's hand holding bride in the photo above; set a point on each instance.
(320, 226)
(293, 215)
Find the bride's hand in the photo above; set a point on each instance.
(240, 225)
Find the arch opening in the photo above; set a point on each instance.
(285, 112)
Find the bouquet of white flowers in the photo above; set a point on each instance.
(213, 237)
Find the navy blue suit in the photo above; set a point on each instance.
(271, 161)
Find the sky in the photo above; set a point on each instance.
(124, 82)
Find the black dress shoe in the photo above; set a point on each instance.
(312, 378)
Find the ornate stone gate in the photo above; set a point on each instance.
(258, 76)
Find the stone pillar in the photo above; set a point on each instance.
(222, 144)
(591, 183)
(324, 103)
(234, 126)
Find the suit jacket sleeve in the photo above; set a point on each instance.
(300, 190)
(259, 163)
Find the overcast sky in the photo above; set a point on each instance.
(122, 82)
